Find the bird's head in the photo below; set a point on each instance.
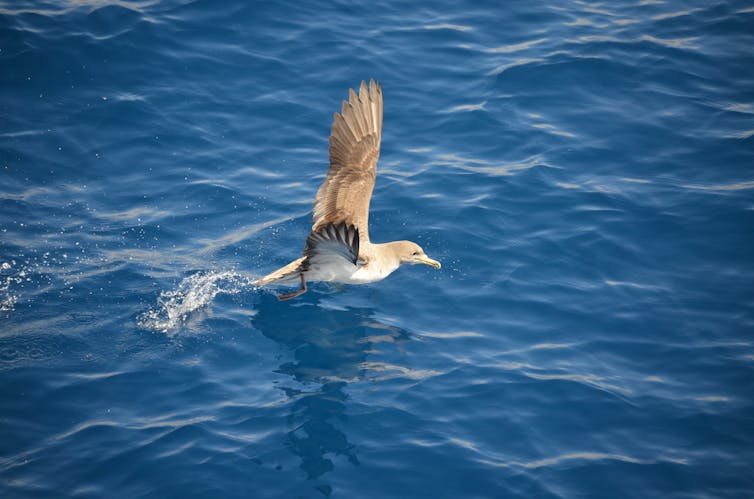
(409, 252)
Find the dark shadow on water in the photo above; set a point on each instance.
(329, 349)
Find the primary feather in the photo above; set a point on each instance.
(354, 150)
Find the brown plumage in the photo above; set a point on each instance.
(338, 248)
(354, 150)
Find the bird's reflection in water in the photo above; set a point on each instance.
(330, 348)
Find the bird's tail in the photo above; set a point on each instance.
(289, 272)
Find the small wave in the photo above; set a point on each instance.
(194, 292)
(453, 27)
(737, 186)
(466, 108)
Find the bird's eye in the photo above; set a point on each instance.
(414, 253)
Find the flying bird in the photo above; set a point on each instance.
(338, 249)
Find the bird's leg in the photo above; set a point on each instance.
(298, 292)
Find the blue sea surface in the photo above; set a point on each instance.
(583, 170)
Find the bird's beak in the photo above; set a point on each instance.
(428, 261)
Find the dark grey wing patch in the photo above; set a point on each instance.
(340, 239)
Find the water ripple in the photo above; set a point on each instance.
(583, 174)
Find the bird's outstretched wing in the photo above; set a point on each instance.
(332, 243)
(355, 138)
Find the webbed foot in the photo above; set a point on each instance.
(298, 292)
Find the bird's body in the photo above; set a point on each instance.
(369, 269)
(338, 248)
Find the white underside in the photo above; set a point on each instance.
(336, 269)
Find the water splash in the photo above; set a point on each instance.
(7, 280)
(26, 275)
(194, 292)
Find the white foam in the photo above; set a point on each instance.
(194, 292)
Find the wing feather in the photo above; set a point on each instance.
(332, 242)
(355, 137)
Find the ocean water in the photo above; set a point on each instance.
(583, 170)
